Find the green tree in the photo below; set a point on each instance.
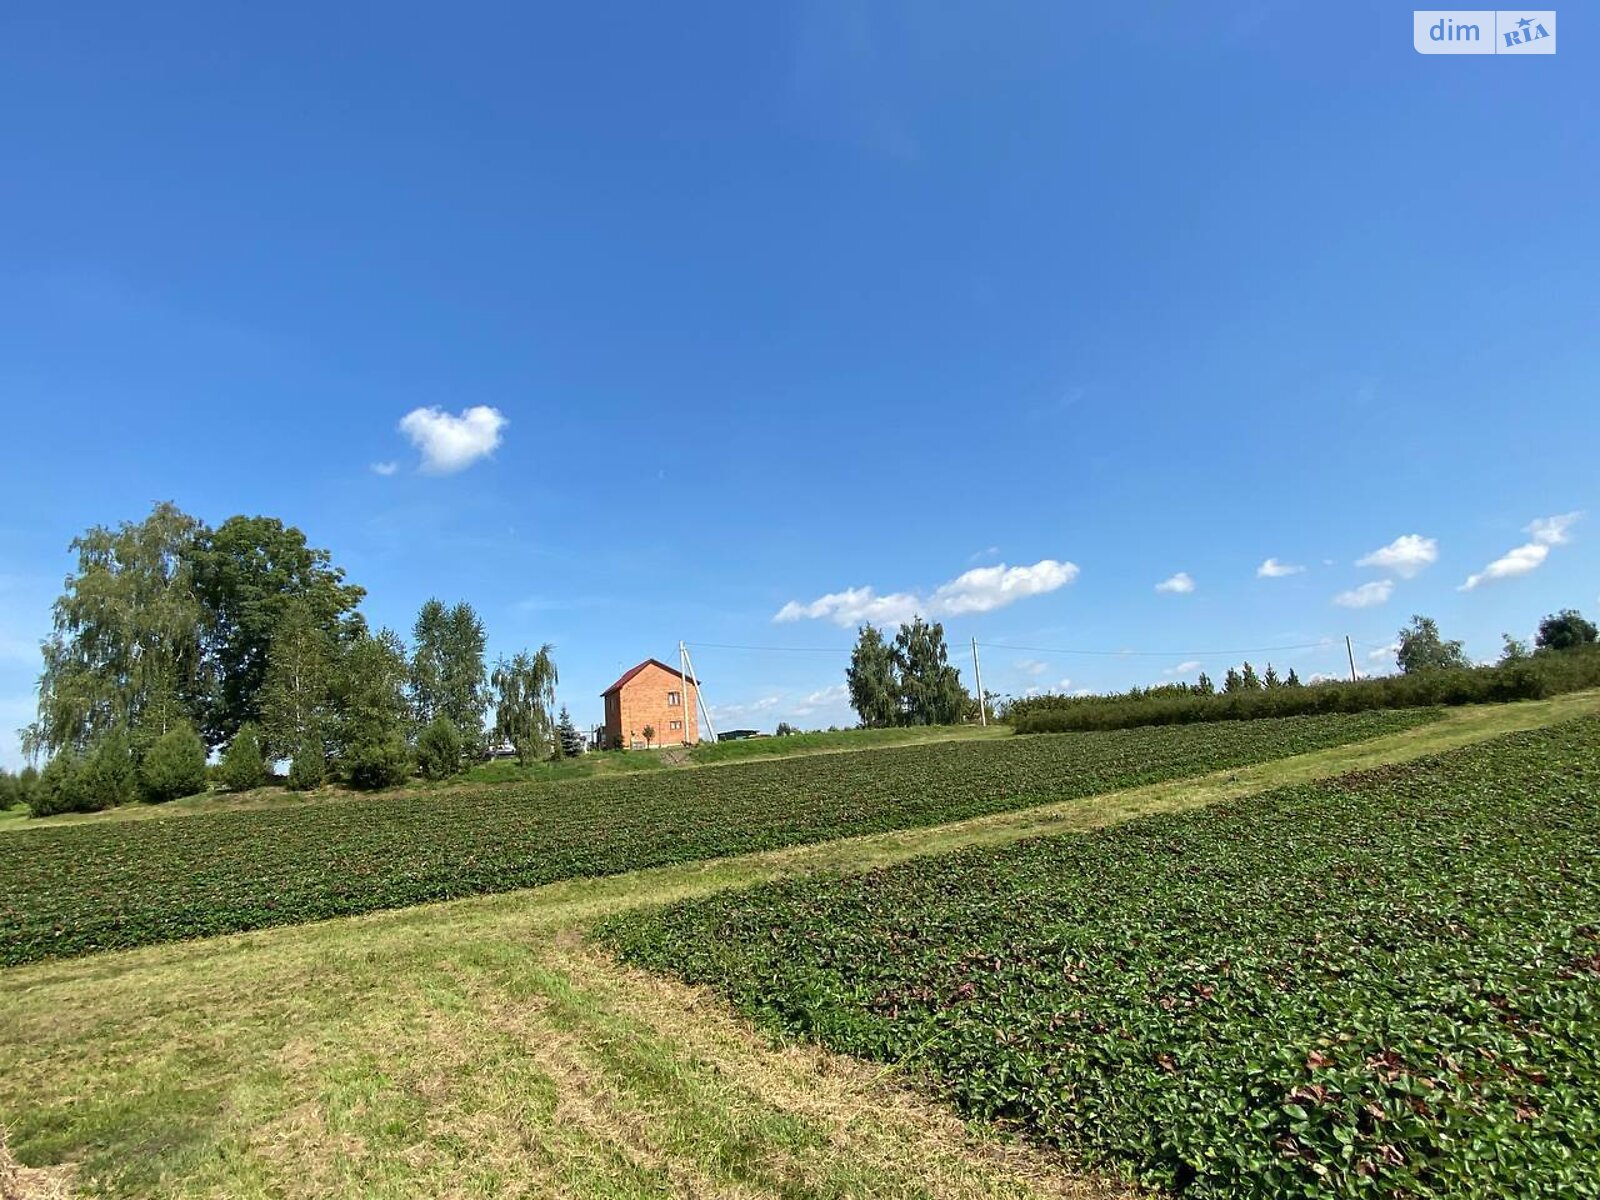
(1293, 679)
(1233, 681)
(930, 688)
(439, 749)
(125, 651)
(244, 763)
(370, 712)
(1248, 679)
(525, 697)
(1422, 649)
(10, 790)
(649, 732)
(110, 772)
(297, 690)
(60, 787)
(447, 672)
(309, 766)
(784, 729)
(874, 690)
(175, 766)
(1565, 630)
(248, 572)
(1203, 686)
(568, 739)
(1512, 650)
(1270, 680)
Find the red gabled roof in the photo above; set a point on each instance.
(629, 674)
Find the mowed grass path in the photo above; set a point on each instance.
(479, 1048)
(95, 887)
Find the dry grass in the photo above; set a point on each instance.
(480, 1048)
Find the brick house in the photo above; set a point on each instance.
(653, 694)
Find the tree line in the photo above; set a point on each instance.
(172, 640)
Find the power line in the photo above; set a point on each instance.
(1321, 645)
(1159, 653)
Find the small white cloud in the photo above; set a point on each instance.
(981, 589)
(1032, 666)
(1514, 562)
(1552, 531)
(1365, 596)
(986, 552)
(984, 589)
(1184, 668)
(385, 468)
(1180, 584)
(451, 443)
(828, 697)
(852, 607)
(1064, 684)
(1384, 653)
(1406, 556)
(1273, 569)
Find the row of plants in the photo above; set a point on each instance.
(1384, 984)
(1532, 677)
(88, 887)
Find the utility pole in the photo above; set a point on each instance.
(1352, 656)
(683, 680)
(688, 661)
(977, 671)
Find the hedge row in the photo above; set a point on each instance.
(1542, 675)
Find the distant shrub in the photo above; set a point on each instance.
(309, 766)
(376, 763)
(1547, 673)
(439, 749)
(244, 763)
(175, 766)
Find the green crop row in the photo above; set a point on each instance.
(79, 889)
(1385, 984)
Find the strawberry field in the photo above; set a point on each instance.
(78, 889)
(1386, 984)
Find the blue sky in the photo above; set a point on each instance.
(778, 301)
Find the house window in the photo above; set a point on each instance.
(674, 699)
(677, 725)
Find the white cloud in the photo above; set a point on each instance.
(1180, 584)
(1546, 532)
(981, 589)
(1384, 653)
(986, 552)
(385, 468)
(852, 607)
(451, 443)
(1406, 556)
(984, 589)
(1518, 561)
(723, 712)
(828, 697)
(1365, 596)
(1273, 569)
(1552, 531)
(1184, 668)
(1032, 666)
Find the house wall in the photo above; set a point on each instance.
(643, 701)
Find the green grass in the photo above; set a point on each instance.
(477, 1048)
(1380, 984)
(93, 887)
